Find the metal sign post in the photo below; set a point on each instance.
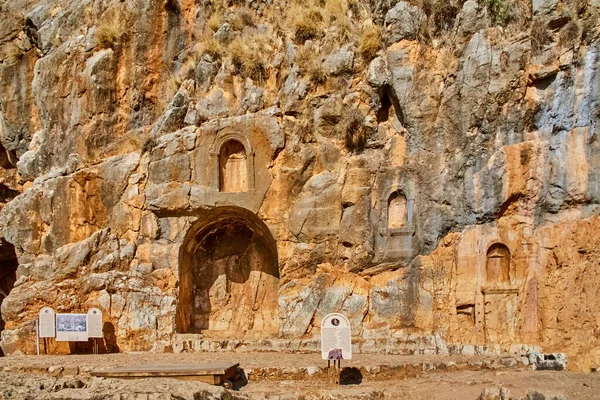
(37, 337)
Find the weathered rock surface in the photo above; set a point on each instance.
(21, 386)
(447, 189)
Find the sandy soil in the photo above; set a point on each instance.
(291, 375)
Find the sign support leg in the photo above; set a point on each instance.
(37, 337)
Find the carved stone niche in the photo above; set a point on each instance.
(396, 228)
(500, 296)
(233, 164)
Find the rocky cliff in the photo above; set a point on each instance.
(239, 169)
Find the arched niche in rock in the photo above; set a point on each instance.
(232, 163)
(396, 227)
(396, 210)
(497, 266)
(228, 276)
(233, 167)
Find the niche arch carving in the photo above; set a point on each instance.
(397, 210)
(396, 227)
(233, 167)
(497, 265)
(397, 200)
(233, 160)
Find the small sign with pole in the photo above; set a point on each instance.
(336, 342)
(94, 326)
(46, 327)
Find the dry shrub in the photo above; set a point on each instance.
(540, 37)
(311, 66)
(172, 85)
(241, 18)
(109, 34)
(370, 41)
(209, 45)
(248, 56)
(305, 22)
(443, 14)
(353, 124)
(188, 65)
(214, 21)
(111, 29)
(344, 31)
(336, 9)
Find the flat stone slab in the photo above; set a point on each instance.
(215, 373)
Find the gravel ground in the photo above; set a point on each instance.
(289, 376)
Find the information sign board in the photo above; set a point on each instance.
(336, 342)
(71, 327)
(47, 327)
(94, 323)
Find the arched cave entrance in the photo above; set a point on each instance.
(8, 275)
(228, 277)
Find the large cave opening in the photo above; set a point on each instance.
(8, 276)
(228, 277)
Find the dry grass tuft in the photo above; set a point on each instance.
(336, 9)
(241, 18)
(109, 34)
(305, 22)
(540, 37)
(311, 66)
(188, 65)
(111, 28)
(214, 21)
(248, 56)
(172, 85)
(443, 14)
(353, 124)
(209, 45)
(370, 41)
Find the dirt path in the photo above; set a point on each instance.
(291, 375)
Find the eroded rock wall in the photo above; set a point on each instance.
(438, 181)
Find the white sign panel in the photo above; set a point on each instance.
(47, 325)
(94, 323)
(71, 328)
(336, 343)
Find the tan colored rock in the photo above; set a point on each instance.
(443, 196)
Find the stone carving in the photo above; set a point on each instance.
(396, 227)
(396, 212)
(497, 267)
(233, 167)
(377, 192)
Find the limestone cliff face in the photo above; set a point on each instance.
(240, 169)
